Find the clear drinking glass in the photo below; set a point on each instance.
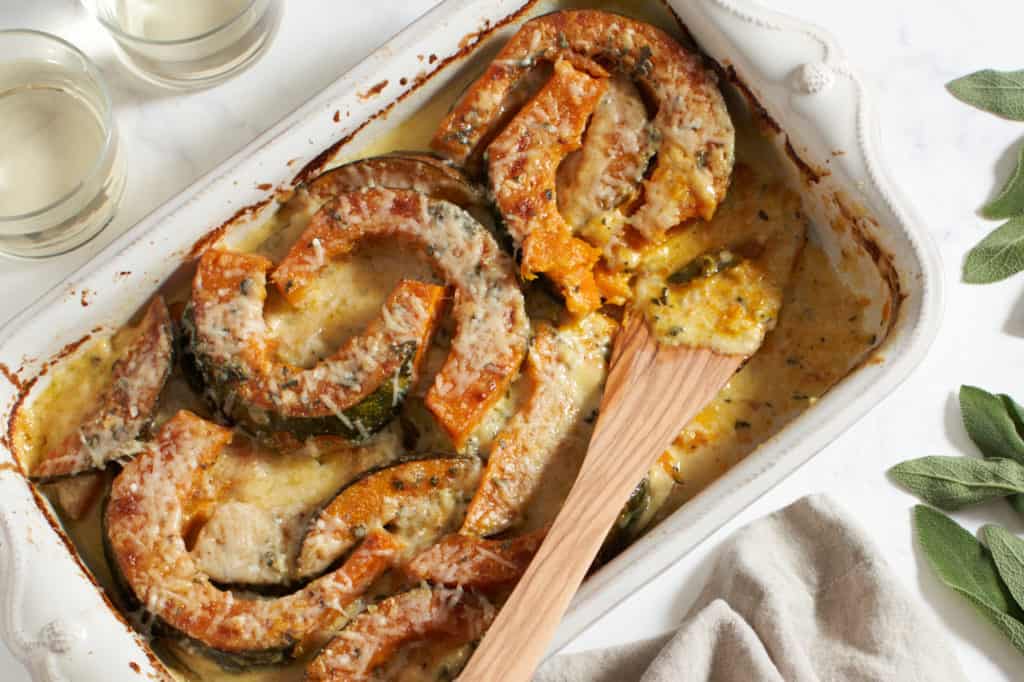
(61, 177)
(188, 43)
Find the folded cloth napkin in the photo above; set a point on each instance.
(798, 596)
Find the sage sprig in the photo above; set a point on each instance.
(966, 567)
(989, 575)
(952, 483)
(1001, 253)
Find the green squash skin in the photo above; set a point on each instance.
(369, 473)
(626, 525)
(215, 382)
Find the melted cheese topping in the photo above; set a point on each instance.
(287, 486)
(597, 181)
(758, 233)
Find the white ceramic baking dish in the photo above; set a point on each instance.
(58, 622)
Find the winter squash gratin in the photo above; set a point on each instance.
(330, 453)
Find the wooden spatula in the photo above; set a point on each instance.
(652, 392)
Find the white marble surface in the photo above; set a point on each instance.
(948, 157)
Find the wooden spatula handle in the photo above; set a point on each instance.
(642, 412)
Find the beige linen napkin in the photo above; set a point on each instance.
(798, 596)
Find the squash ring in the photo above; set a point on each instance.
(422, 172)
(353, 394)
(695, 135)
(523, 163)
(143, 522)
(522, 450)
(492, 326)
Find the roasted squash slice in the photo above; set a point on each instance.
(691, 123)
(417, 499)
(523, 164)
(489, 311)
(125, 409)
(599, 184)
(425, 173)
(522, 450)
(475, 563)
(144, 519)
(354, 393)
(374, 637)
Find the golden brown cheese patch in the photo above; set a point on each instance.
(720, 284)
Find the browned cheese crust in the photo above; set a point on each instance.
(374, 637)
(475, 563)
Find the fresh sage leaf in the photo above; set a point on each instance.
(954, 482)
(997, 92)
(1015, 411)
(1012, 627)
(996, 425)
(997, 256)
(1008, 553)
(992, 422)
(1010, 201)
(965, 566)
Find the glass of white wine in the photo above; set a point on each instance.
(187, 44)
(61, 177)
